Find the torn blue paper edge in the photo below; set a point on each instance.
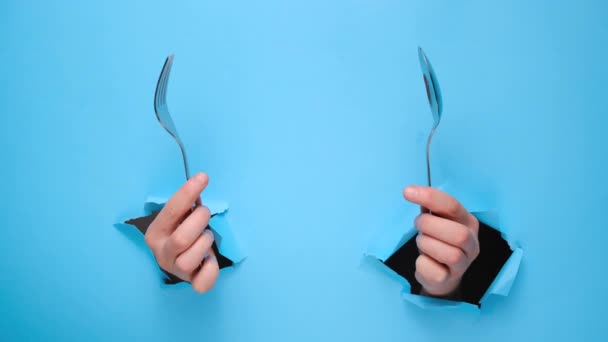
(393, 237)
(226, 240)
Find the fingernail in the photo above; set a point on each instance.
(411, 192)
(209, 232)
(199, 177)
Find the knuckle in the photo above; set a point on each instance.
(171, 212)
(164, 264)
(208, 236)
(454, 257)
(152, 241)
(179, 241)
(419, 263)
(205, 213)
(421, 241)
(440, 276)
(453, 207)
(417, 274)
(427, 196)
(474, 225)
(153, 226)
(476, 251)
(462, 237)
(149, 239)
(183, 266)
(419, 277)
(422, 221)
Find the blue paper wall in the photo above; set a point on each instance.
(310, 117)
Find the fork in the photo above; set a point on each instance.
(162, 110)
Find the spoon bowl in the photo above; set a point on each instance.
(433, 92)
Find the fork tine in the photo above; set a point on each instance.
(160, 96)
(158, 93)
(167, 69)
(159, 87)
(163, 87)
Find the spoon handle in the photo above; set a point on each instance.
(428, 165)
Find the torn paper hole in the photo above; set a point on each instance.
(226, 245)
(395, 251)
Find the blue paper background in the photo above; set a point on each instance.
(309, 117)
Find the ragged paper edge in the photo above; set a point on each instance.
(391, 238)
(227, 242)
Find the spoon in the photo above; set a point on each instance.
(433, 94)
